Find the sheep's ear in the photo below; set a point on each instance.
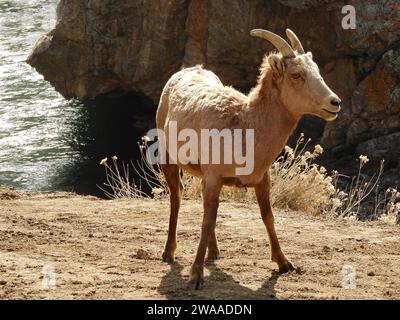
(277, 65)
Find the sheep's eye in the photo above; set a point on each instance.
(296, 76)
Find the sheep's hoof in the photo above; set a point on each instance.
(286, 267)
(211, 256)
(195, 283)
(168, 257)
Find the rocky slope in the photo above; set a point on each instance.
(99, 46)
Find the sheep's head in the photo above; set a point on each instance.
(302, 89)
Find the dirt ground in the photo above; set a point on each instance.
(72, 247)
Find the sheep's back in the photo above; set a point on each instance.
(196, 98)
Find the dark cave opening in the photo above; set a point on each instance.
(110, 125)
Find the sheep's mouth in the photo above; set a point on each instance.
(331, 112)
(329, 115)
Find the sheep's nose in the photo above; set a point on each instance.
(336, 102)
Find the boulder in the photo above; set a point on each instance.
(98, 46)
(382, 148)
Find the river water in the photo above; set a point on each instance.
(33, 117)
(46, 142)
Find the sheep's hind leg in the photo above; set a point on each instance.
(262, 192)
(212, 250)
(211, 187)
(171, 173)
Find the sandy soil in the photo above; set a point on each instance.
(111, 250)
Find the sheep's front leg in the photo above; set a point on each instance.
(262, 193)
(171, 173)
(211, 187)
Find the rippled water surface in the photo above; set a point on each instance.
(46, 142)
(34, 119)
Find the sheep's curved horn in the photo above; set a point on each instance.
(294, 41)
(284, 48)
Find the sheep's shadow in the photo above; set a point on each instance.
(218, 285)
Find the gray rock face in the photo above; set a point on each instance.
(382, 147)
(102, 45)
(99, 46)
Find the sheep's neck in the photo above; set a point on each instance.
(273, 125)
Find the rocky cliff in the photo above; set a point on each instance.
(99, 46)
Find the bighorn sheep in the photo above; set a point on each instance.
(289, 86)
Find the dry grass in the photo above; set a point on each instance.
(387, 209)
(298, 183)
